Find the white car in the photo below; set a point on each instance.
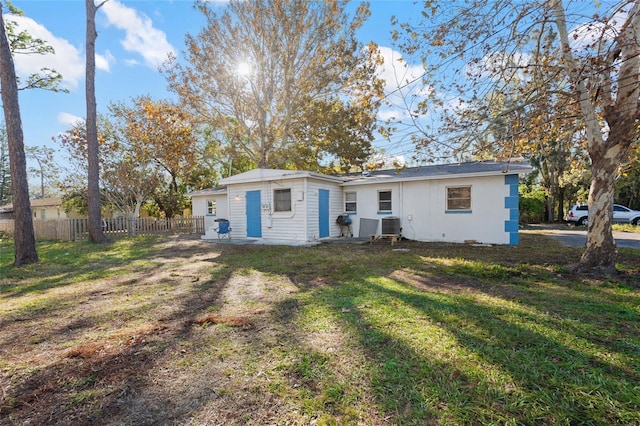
(621, 214)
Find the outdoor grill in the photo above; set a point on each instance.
(344, 221)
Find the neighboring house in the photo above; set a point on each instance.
(42, 208)
(454, 203)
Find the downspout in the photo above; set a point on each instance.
(401, 202)
(305, 200)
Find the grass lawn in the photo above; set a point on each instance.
(163, 331)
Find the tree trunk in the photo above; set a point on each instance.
(600, 253)
(94, 224)
(560, 201)
(620, 111)
(24, 238)
(549, 208)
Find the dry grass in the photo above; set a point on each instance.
(180, 331)
(211, 318)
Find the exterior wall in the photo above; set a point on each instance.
(335, 208)
(421, 207)
(300, 224)
(275, 225)
(367, 203)
(48, 212)
(199, 208)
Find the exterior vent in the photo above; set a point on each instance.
(391, 225)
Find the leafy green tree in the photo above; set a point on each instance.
(47, 170)
(331, 136)
(262, 70)
(23, 43)
(628, 184)
(126, 181)
(532, 203)
(163, 133)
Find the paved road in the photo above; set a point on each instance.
(578, 238)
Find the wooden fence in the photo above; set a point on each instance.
(76, 229)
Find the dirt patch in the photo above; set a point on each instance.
(428, 282)
(188, 333)
(171, 341)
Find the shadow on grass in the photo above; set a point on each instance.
(457, 351)
(553, 378)
(111, 351)
(540, 354)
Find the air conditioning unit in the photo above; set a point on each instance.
(391, 225)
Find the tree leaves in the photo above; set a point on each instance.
(300, 54)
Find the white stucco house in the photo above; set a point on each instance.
(475, 201)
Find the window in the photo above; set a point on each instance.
(211, 207)
(350, 202)
(384, 201)
(282, 200)
(459, 198)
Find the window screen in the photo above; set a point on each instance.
(350, 202)
(384, 201)
(282, 200)
(459, 198)
(211, 207)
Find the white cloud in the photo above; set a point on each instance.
(67, 60)
(403, 87)
(397, 73)
(388, 114)
(498, 66)
(140, 35)
(594, 36)
(69, 119)
(103, 61)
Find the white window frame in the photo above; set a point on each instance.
(351, 206)
(389, 201)
(211, 207)
(278, 201)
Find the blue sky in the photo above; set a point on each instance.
(134, 37)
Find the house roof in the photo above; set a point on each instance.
(40, 202)
(218, 190)
(439, 171)
(46, 202)
(265, 175)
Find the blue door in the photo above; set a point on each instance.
(323, 213)
(254, 222)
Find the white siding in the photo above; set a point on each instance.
(275, 225)
(300, 224)
(199, 208)
(335, 207)
(419, 204)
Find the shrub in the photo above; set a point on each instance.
(532, 203)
